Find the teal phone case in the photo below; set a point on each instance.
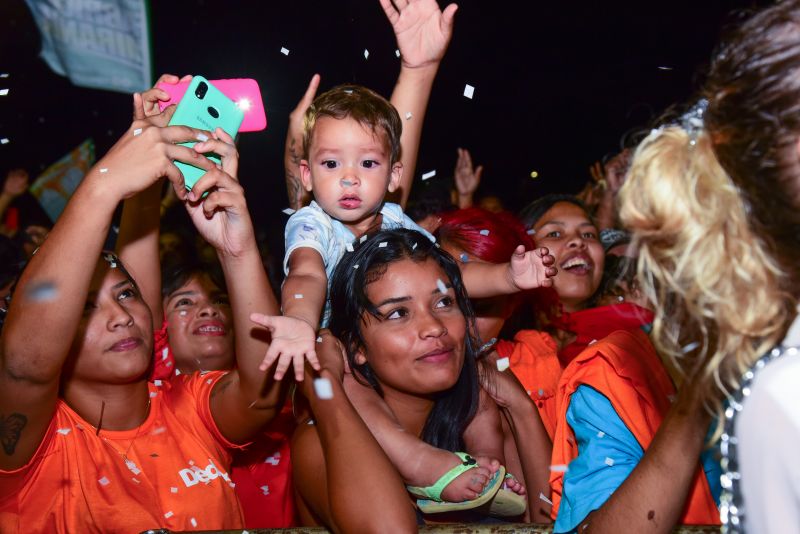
(205, 110)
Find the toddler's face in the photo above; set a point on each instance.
(349, 171)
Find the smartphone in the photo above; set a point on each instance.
(205, 107)
(243, 91)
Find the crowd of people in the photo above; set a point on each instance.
(620, 360)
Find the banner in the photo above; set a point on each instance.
(57, 183)
(103, 44)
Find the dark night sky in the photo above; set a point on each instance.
(557, 84)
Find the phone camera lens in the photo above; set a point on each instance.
(202, 89)
(213, 112)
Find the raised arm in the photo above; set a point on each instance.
(337, 455)
(245, 400)
(52, 291)
(526, 270)
(423, 32)
(293, 152)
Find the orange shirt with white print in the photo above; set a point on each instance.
(171, 472)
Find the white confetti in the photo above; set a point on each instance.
(104, 170)
(4, 75)
(414, 247)
(156, 382)
(160, 430)
(441, 286)
(366, 54)
(288, 211)
(177, 371)
(397, 52)
(408, 115)
(265, 490)
(464, 258)
(690, 347)
(382, 244)
(349, 247)
(165, 353)
(347, 183)
(4, 141)
(323, 388)
(503, 364)
(136, 480)
(64, 431)
(355, 266)
(42, 292)
(558, 468)
(429, 175)
(298, 296)
(275, 459)
(104, 481)
(3, 92)
(542, 497)
(484, 232)
(209, 381)
(202, 137)
(193, 521)
(363, 238)
(601, 434)
(664, 68)
(319, 339)
(131, 465)
(531, 232)
(284, 51)
(541, 392)
(469, 91)
(168, 514)
(592, 342)
(153, 394)
(173, 489)
(609, 461)
(137, 131)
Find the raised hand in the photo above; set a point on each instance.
(293, 342)
(423, 31)
(294, 147)
(152, 97)
(531, 269)
(467, 178)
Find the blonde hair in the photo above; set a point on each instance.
(717, 292)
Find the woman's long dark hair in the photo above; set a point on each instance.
(453, 409)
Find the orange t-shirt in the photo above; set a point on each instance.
(175, 476)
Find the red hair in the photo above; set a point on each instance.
(492, 237)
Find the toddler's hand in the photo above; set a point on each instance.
(531, 269)
(293, 342)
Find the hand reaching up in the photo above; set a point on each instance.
(293, 342)
(422, 29)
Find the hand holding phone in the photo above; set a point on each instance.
(204, 106)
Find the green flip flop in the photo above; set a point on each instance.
(506, 503)
(430, 498)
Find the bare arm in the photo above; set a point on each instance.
(31, 363)
(340, 451)
(526, 270)
(423, 33)
(467, 178)
(293, 152)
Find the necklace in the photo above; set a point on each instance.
(130, 464)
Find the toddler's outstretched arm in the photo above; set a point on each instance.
(526, 270)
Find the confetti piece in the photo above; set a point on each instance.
(664, 68)
(288, 211)
(275, 459)
(3, 92)
(192, 520)
(156, 382)
(347, 183)
(209, 381)
(168, 514)
(503, 364)
(397, 52)
(463, 257)
(132, 467)
(298, 296)
(609, 461)
(153, 394)
(541, 392)
(408, 115)
(428, 175)
(355, 266)
(265, 490)
(42, 292)
(441, 286)
(414, 247)
(4, 141)
(137, 131)
(349, 247)
(319, 339)
(601, 434)
(284, 51)
(104, 170)
(4, 75)
(136, 480)
(382, 244)
(690, 347)
(104, 481)
(363, 238)
(366, 54)
(348, 91)
(469, 91)
(531, 231)
(542, 497)
(160, 430)
(323, 388)
(173, 489)
(64, 431)
(558, 468)
(592, 342)
(484, 232)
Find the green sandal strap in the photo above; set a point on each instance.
(434, 492)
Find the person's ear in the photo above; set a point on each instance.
(305, 174)
(360, 358)
(394, 179)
